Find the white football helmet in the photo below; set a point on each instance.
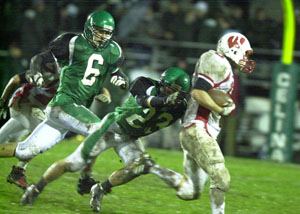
(237, 47)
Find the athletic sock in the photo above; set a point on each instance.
(41, 184)
(22, 164)
(106, 185)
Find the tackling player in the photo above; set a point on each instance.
(86, 60)
(152, 106)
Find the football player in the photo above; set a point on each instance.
(35, 88)
(86, 60)
(27, 105)
(214, 70)
(152, 106)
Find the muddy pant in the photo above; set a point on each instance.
(201, 151)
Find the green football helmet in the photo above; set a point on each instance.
(99, 28)
(175, 79)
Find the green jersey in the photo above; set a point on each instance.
(138, 121)
(83, 76)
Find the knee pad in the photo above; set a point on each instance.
(75, 163)
(26, 153)
(220, 177)
(186, 190)
(75, 166)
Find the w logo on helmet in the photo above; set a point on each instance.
(235, 41)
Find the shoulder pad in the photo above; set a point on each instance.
(214, 66)
(116, 57)
(115, 48)
(64, 37)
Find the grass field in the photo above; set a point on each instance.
(257, 187)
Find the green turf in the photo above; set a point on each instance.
(257, 187)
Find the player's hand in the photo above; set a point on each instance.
(103, 98)
(35, 79)
(119, 81)
(38, 114)
(173, 99)
(3, 108)
(228, 109)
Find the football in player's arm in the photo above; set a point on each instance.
(85, 60)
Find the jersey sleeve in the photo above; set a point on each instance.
(211, 69)
(144, 91)
(45, 64)
(141, 87)
(116, 57)
(59, 47)
(38, 61)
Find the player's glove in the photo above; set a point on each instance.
(3, 108)
(103, 98)
(228, 109)
(35, 79)
(119, 81)
(173, 99)
(38, 114)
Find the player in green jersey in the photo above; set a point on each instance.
(85, 61)
(152, 105)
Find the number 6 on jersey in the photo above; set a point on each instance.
(92, 71)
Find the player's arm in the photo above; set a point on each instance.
(58, 52)
(60, 48)
(199, 93)
(140, 89)
(118, 77)
(11, 86)
(35, 75)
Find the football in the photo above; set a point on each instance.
(221, 98)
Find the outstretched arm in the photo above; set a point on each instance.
(141, 90)
(11, 86)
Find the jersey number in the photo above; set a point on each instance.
(90, 72)
(166, 116)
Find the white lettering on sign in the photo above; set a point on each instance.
(278, 140)
(283, 80)
(278, 137)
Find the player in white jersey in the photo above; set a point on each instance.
(214, 70)
(35, 88)
(24, 114)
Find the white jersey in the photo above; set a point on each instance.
(216, 70)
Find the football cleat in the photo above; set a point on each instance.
(17, 177)
(97, 193)
(84, 185)
(29, 195)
